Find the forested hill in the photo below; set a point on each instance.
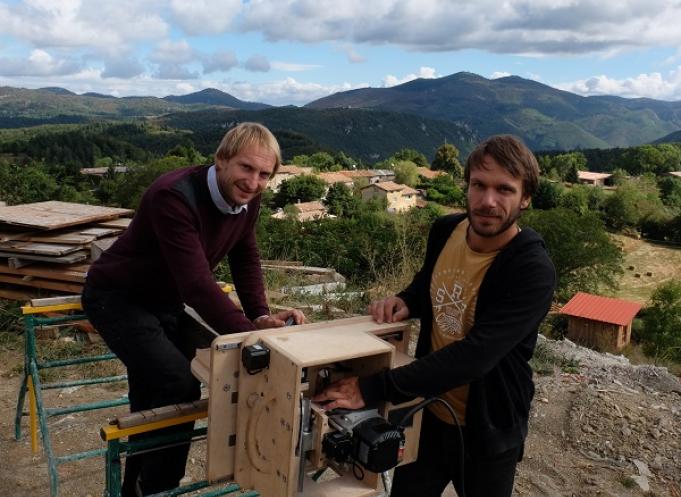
(20, 107)
(369, 136)
(545, 117)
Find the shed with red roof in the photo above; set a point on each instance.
(602, 323)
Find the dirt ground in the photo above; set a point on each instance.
(605, 428)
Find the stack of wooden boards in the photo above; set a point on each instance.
(49, 245)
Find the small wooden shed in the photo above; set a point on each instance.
(601, 323)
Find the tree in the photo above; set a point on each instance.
(406, 173)
(447, 159)
(670, 191)
(340, 201)
(568, 164)
(547, 195)
(586, 258)
(631, 203)
(443, 190)
(299, 189)
(661, 334)
(24, 184)
(576, 198)
(409, 154)
(322, 161)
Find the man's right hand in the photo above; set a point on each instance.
(389, 310)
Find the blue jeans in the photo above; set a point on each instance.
(439, 462)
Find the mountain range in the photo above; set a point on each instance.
(462, 107)
(545, 117)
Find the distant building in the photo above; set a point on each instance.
(286, 172)
(306, 211)
(595, 179)
(601, 323)
(426, 173)
(370, 175)
(101, 171)
(333, 178)
(399, 197)
(676, 174)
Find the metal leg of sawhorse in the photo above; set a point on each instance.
(31, 384)
(117, 447)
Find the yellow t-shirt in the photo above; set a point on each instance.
(454, 289)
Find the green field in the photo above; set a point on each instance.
(661, 261)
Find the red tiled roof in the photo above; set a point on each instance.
(604, 309)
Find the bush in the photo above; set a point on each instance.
(661, 333)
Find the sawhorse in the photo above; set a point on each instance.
(31, 383)
(148, 421)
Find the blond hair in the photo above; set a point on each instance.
(245, 135)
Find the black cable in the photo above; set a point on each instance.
(451, 411)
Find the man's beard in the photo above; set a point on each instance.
(484, 231)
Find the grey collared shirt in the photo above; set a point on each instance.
(219, 201)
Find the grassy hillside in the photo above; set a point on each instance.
(545, 117)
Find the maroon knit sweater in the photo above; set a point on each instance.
(176, 238)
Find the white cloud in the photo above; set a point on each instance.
(424, 73)
(174, 71)
(499, 74)
(284, 92)
(105, 25)
(515, 26)
(122, 67)
(293, 67)
(202, 17)
(39, 63)
(175, 52)
(651, 85)
(219, 61)
(257, 63)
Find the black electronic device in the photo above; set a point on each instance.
(255, 358)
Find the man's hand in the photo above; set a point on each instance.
(342, 393)
(389, 310)
(279, 319)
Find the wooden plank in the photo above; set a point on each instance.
(121, 223)
(7, 235)
(50, 301)
(55, 214)
(69, 238)
(79, 256)
(15, 263)
(74, 274)
(40, 283)
(100, 232)
(98, 247)
(50, 249)
(11, 294)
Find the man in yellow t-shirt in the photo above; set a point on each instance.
(481, 294)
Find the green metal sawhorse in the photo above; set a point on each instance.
(116, 447)
(31, 383)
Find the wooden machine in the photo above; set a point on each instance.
(265, 433)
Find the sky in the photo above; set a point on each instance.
(290, 52)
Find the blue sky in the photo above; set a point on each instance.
(294, 51)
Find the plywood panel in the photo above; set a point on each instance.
(68, 237)
(122, 223)
(54, 214)
(40, 283)
(75, 274)
(50, 249)
(73, 258)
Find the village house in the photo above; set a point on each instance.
(305, 211)
(333, 178)
(602, 323)
(398, 197)
(286, 172)
(675, 174)
(426, 173)
(101, 171)
(595, 179)
(371, 176)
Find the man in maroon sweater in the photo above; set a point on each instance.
(187, 222)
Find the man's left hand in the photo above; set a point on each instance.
(279, 319)
(342, 393)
